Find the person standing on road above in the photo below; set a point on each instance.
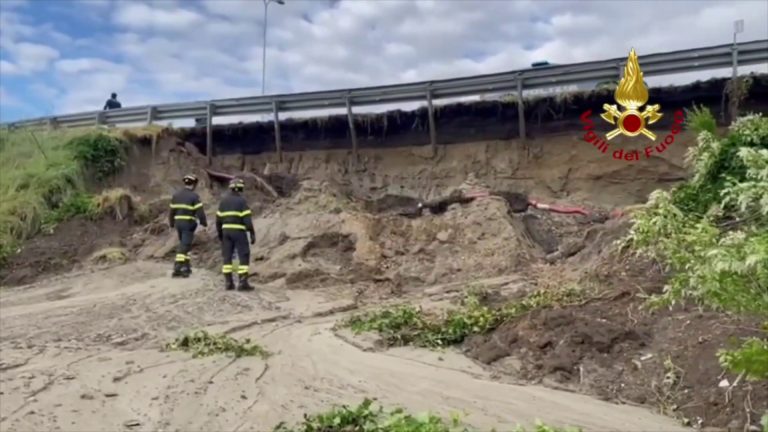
(112, 103)
(186, 211)
(233, 221)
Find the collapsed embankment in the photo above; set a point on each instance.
(480, 138)
(329, 223)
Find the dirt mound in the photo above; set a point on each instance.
(71, 242)
(618, 349)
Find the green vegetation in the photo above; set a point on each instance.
(712, 232)
(367, 418)
(42, 178)
(202, 344)
(408, 325)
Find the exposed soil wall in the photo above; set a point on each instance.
(462, 122)
(555, 163)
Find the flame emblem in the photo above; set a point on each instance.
(631, 94)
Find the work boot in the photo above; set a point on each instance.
(177, 272)
(243, 284)
(229, 283)
(186, 269)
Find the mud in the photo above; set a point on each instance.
(82, 353)
(69, 244)
(618, 349)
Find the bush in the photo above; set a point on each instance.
(367, 418)
(100, 154)
(712, 232)
(408, 325)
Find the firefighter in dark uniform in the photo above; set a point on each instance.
(186, 211)
(234, 225)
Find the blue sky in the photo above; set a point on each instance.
(64, 56)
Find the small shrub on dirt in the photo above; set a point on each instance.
(365, 417)
(77, 204)
(409, 325)
(100, 154)
(712, 232)
(202, 344)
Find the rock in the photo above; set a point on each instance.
(571, 248)
(444, 236)
(553, 257)
(86, 396)
(110, 394)
(387, 253)
(131, 423)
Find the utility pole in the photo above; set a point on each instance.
(264, 47)
(735, 93)
(738, 27)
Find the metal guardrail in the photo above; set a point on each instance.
(690, 60)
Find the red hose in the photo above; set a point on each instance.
(558, 209)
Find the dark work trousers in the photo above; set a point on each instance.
(186, 232)
(231, 241)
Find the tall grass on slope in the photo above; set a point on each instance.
(40, 172)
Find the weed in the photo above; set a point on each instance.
(110, 255)
(751, 357)
(712, 232)
(408, 325)
(202, 344)
(367, 418)
(76, 204)
(100, 154)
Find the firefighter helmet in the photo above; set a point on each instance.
(190, 180)
(236, 185)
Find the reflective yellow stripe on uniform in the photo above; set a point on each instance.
(186, 206)
(233, 213)
(226, 268)
(242, 269)
(233, 226)
(184, 217)
(181, 257)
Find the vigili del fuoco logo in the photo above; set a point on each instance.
(631, 94)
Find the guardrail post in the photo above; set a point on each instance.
(99, 118)
(150, 115)
(431, 118)
(209, 133)
(352, 132)
(621, 70)
(52, 124)
(520, 107)
(278, 141)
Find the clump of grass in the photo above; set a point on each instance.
(110, 255)
(408, 325)
(202, 344)
(117, 203)
(41, 180)
(366, 417)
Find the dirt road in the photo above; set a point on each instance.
(81, 352)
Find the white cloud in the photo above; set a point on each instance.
(28, 58)
(135, 15)
(172, 51)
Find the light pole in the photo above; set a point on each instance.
(738, 27)
(264, 48)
